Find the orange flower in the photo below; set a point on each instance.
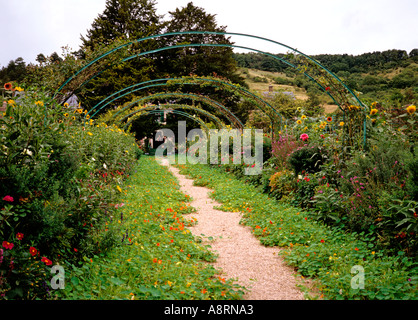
(329, 119)
(204, 291)
(155, 260)
(8, 86)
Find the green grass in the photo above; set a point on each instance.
(318, 251)
(158, 257)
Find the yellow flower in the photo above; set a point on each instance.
(89, 133)
(299, 121)
(66, 104)
(18, 89)
(373, 111)
(119, 189)
(341, 123)
(411, 109)
(12, 102)
(303, 117)
(66, 115)
(39, 103)
(79, 111)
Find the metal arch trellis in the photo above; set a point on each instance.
(196, 119)
(167, 107)
(313, 62)
(211, 45)
(185, 80)
(195, 97)
(207, 44)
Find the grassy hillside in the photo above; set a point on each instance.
(389, 77)
(262, 81)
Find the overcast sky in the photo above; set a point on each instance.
(30, 27)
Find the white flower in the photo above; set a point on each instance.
(105, 166)
(27, 151)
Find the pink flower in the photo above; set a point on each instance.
(8, 199)
(304, 137)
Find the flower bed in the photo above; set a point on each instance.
(60, 178)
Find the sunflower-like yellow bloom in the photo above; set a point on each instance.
(411, 109)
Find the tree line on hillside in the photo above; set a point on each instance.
(390, 75)
(366, 62)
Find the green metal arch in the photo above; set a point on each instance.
(311, 60)
(174, 106)
(185, 96)
(219, 45)
(138, 86)
(198, 120)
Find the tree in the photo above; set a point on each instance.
(40, 58)
(201, 61)
(121, 19)
(130, 19)
(15, 71)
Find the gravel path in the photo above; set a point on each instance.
(240, 254)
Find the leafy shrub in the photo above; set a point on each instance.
(59, 177)
(281, 184)
(307, 159)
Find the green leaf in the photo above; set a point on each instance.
(75, 281)
(116, 281)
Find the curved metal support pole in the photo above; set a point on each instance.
(198, 120)
(219, 45)
(181, 95)
(164, 107)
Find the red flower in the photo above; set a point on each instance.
(322, 240)
(356, 248)
(46, 261)
(75, 250)
(8, 86)
(8, 199)
(304, 137)
(8, 245)
(327, 88)
(19, 236)
(33, 251)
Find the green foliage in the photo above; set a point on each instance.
(59, 177)
(157, 257)
(325, 253)
(307, 159)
